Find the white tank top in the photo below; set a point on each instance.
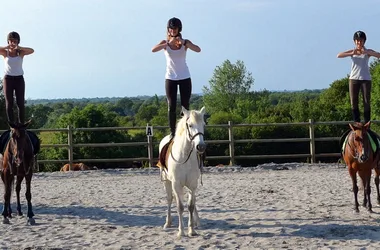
(176, 67)
(13, 65)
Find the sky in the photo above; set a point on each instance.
(102, 48)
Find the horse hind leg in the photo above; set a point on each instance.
(178, 193)
(169, 197)
(377, 173)
(192, 209)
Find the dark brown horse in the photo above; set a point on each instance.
(17, 162)
(361, 159)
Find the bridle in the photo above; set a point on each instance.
(191, 139)
(12, 149)
(355, 155)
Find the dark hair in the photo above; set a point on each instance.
(13, 36)
(175, 23)
(360, 35)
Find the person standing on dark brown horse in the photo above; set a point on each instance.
(14, 85)
(13, 82)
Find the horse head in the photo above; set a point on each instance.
(194, 128)
(18, 142)
(359, 142)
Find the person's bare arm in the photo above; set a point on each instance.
(373, 53)
(346, 53)
(3, 51)
(192, 46)
(24, 51)
(160, 46)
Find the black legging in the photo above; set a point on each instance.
(355, 86)
(171, 87)
(14, 84)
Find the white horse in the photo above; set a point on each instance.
(183, 166)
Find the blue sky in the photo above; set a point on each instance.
(102, 48)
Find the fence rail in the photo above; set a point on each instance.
(312, 155)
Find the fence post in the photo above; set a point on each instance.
(70, 143)
(232, 144)
(312, 140)
(150, 148)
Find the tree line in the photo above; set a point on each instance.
(228, 97)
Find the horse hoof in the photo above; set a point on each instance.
(180, 234)
(30, 221)
(192, 233)
(167, 225)
(356, 211)
(5, 221)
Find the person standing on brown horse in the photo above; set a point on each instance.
(360, 78)
(14, 84)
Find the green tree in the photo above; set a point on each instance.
(229, 83)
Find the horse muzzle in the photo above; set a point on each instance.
(363, 158)
(201, 148)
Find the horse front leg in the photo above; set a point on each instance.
(178, 192)
(18, 189)
(28, 196)
(365, 176)
(169, 198)
(191, 207)
(368, 189)
(355, 188)
(8, 180)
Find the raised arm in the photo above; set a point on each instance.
(373, 53)
(346, 53)
(160, 46)
(192, 46)
(24, 51)
(3, 51)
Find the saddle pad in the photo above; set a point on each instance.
(164, 154)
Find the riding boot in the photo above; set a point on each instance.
(367, 116)
(172, 122)
(356, 115)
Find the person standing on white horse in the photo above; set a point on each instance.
(177, 71)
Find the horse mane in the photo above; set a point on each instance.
(194, 117)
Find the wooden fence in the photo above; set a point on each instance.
(312, 155)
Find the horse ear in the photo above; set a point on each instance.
(203, 110)
(26, 124)
(11, 124)
(366, 126)
(185, 111)
(352, 126)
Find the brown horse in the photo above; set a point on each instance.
(360, 158)
(17, 161)
(75, 167)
